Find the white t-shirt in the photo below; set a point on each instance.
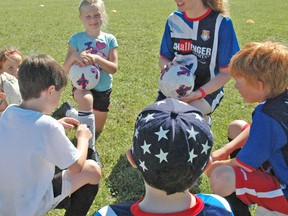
(31, 144)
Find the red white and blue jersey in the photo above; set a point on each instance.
(205, 44)
(268, 138)
(206, 204)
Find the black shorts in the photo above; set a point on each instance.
(101, 100)
(57, 184)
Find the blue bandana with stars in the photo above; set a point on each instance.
(171, 132)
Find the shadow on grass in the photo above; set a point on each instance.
(125, 182)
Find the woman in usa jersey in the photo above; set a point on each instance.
(200, 36)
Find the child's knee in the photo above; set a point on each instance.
(94, 171)
(222, 180)
(235, 128)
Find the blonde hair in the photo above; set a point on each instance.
(266, 62)
(220, 6)
(99, 4)
(6, 52)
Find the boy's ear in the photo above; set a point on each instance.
(50, 90)
(260, 85)
(130, 158)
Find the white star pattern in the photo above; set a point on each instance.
(206, 147)
(149, 117)
(139, 117)
(142, 164)
(183, 103)
(162, 133)
(192, 156)
(136, 133)
(192, 133)
(146, 147)
(162, 156)
(204, 166)
(197, 116)
(160, 102)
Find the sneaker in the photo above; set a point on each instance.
(61, 111)
(94, 156)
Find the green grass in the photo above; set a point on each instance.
(44, 26)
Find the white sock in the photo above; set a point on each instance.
(87, 117)
(72, 113)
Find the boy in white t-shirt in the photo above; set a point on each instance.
(33, 144)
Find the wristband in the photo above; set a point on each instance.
(203, 93)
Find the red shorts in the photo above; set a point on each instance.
(260, 188)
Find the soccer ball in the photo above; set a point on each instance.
(176, 81)
(84, 78)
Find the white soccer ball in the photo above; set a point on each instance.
(84, 78)
(176, 81)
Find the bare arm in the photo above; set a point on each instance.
(226, 150)
(73, 57)
(85, 58)
(110, 65)
(83, 136)
(219, 81)
(69, 61)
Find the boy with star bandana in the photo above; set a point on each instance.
(171, 148)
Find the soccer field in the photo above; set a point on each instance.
(44, 26)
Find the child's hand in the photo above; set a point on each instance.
(220, 154)
(83, 132)
(69, 123)
(192, 96)
(165, 68)
(83, 58)
(209, 169)
(94, 58)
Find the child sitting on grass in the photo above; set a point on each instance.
(261, 74)
(171, 148)
(33, 143)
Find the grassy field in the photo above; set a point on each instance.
(44, 26)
